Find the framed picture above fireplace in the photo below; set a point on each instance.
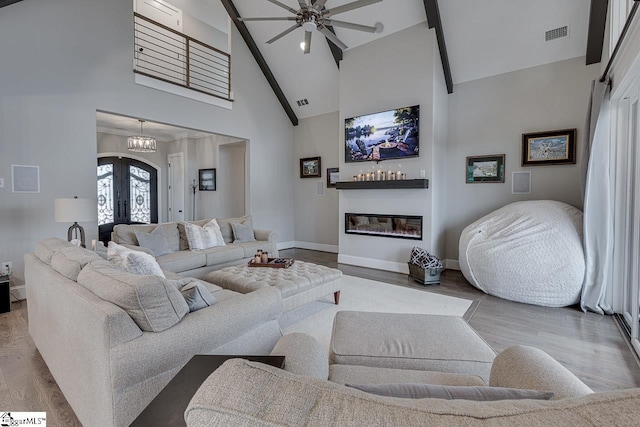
(382, 225)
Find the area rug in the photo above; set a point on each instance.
(316, 318)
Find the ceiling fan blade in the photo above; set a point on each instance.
(347, 7)
(350, 25)
(284, 6)
(303, 4)
(282, 34)
(307, 42)
(318, 5)
(282, 18)
(328, 34)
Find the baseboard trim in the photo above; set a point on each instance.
(378, 264)
(285, 245)
(317, 246)
(452, 264)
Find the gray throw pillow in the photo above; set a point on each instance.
(436, 391)
(243, 232)
(156, 241)
(197, 296)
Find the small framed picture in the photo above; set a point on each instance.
(310, 167)
(207, 179)
(333, 176)
(485, 169)
(557, 147)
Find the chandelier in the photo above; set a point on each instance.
(141, 143)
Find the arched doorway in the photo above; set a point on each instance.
(127, 194)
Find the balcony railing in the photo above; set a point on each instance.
(165, 54)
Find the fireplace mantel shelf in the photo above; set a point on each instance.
(382, 185)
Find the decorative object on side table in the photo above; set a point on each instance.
(333, 176)
(424, 267)
(207, 179)
(310, 167)
(485, 169)
(556, 147)
(194, 188)
(76, 210)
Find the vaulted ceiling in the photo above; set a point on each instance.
(483, 38)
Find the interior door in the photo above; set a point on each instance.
(159, 51)
(176, 187)
(127, 194)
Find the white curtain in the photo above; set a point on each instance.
(598, 201)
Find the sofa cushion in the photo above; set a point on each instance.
(45, 249)
(203, 237)
(243, 232)
(226, 228)
(437, 391)
(197, 296)
(242, 393)
(135, 262)
(156, 241)
(250, 248)
(223, 254)
(69, 261)
(354, 374)
(151, 301)
(125, 233)
(182, 261)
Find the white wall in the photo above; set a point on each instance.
(316, 216)
(230, 183)
(489, 116)
(392, 72)
(77, 59)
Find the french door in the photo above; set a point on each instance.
(127, 194)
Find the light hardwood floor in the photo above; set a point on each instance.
(588, 344)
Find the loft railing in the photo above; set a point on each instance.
(165, 54)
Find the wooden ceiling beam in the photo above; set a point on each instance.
(434, 21)
(262, 63)
(595, 34)
(4, 3)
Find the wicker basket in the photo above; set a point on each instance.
(426, 276)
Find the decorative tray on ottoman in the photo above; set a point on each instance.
(273, 263)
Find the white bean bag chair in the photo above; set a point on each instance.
(528, 252)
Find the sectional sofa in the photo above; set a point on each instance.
(190, 263)
(113, 340)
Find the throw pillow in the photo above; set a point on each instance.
(156, 241)
(243, 232)
(135, 262)
(197, 296)
(205, 237)
(436, 391)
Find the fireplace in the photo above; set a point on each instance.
(395, 226)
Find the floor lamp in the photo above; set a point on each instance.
(76, 210)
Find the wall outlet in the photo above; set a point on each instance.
(5, 270)
(1, 182)
(423, 173)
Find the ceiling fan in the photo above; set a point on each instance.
(315, 16)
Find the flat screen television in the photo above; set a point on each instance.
(392, 134)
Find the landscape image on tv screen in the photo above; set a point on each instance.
(380, 136)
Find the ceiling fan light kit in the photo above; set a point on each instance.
(315, 17)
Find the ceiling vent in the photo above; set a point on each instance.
(557, 33)
(302, 102)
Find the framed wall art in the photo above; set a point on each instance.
(333, 176)
(557, 147)
(485, 169)
(207, 179)
(310, 167)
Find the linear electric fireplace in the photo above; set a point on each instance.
(396, 226)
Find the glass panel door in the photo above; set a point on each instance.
(127, 194)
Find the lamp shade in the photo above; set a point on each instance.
(76, 210)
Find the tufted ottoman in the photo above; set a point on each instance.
(299, 284)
